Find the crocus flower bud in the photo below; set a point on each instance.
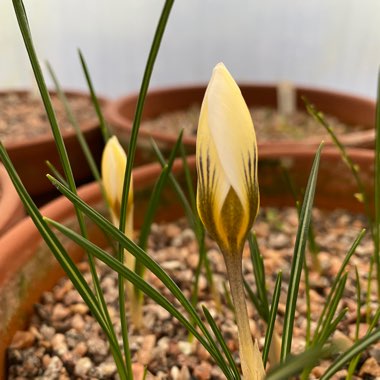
(226, 156)
(114, 162)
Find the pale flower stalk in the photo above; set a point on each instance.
(228, 192)
(114, 162)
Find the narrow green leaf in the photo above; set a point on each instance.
(140, 283)
(369, 287)
(308, 305)
(346, 159)
(323, 335)
(56, 172)
(259, 273)
(293, 365)
(358, 347)
(272, 318)
(298, 258)
(256, 302)
(189, 179)
(151, 211)
(334, 324)
(61, 149)
(221, 341)
(358, 303)
(375, 320)
(140, 107)
(66, 263)
(73, 121)
(335, 283)
(155, 199)
(133, 144)
(95, 101)
(146, 260)
(176, 187)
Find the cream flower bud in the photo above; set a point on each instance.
(114, 162)
(226, 156)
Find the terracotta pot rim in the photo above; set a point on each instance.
(114, 115)
(61, 207)
(242, 84)
(10, 204)
(296, 151)
(47, 138)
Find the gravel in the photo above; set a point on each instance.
(64, 342)
(269, 124)
(24, 117)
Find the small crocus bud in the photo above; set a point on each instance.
(114, 162)
(226, 155)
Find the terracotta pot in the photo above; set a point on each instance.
(27, 268)
(11, 208)
(29, 156)
(352, 110)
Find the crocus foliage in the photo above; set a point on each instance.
(114, 162)
(226, 155)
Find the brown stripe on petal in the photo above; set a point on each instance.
(201, 178)
(206, 194)
(252, 186)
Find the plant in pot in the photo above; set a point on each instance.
(25, 132)
(278, 113)
(228, 217)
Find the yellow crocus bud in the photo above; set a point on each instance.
(226, 155)
(114, 162)
(228, 192)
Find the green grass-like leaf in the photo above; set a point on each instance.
(147, 261)
(354, 362)
(155, 197)
(293, 365)
(61, 149)
(140, 106)
(66, 263)
(73, 121)
(132, 147)
(259, 274)
(221, 341)
(151, 211)
(358, 347)
(272, 318)
(298, 258)
(94, 98)
(323, 335)
(335, 283)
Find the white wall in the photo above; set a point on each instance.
(333, 44)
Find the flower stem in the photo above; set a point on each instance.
(250, 357)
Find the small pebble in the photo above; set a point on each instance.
(22, 339)
(82, 366)
(58, 343)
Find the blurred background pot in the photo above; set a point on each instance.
(28, 268)
(11, 208)
(357, 113)
(26, 134)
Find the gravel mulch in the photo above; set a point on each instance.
(269, 124)
(24, 116)
(63, 341)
